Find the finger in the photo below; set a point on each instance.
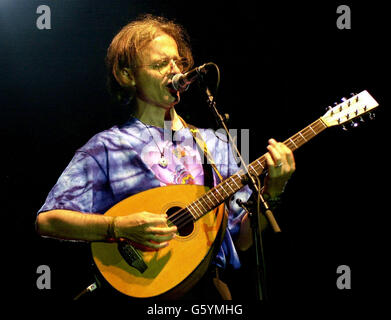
(269, 160)
(289, 156)
(148, 214)
(153, 245)
(158, 238)
(276, 156)
(273, 171)
(276, 145)
(145, 219)
(162, 231)
(281, 147)
(156, 220)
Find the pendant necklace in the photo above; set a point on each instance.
(163, 163)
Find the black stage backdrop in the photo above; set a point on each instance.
(281, 65)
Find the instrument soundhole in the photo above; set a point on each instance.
(182, 219)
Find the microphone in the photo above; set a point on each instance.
(180, 82)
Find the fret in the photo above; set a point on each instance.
(298, 140)
(302, 137)
(312, 130)
(252, 170)
(188, 209)
(324, 125)
(240, 179)
(206, 194)
(210, 204)
(260, 163)
(199, 200)
(293, 143)
(215, 188)
(307, 134)
(319, 121)
(211, 192)
(194, 206)
(233, 191)
(233, 179)
(221, 185)
(198, 208)
(250, 167)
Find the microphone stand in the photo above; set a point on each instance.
(255, 217)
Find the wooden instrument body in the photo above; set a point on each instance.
(172, 270)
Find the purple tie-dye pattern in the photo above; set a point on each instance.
(123, 161)
(183, 161)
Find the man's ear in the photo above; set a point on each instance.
(126, 77)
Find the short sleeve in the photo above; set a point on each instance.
(75, 188)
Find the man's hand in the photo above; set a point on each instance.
(145, 228)
(281, 165)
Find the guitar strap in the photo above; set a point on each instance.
(204, 150)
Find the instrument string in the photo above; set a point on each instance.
(198, 208)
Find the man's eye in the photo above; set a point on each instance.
(160, 64)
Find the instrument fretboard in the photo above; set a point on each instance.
(218, 194)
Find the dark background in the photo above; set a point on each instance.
(281, 64)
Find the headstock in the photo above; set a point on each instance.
(350, 109)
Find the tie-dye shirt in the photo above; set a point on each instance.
(124, 160)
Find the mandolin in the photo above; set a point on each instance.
(199, 214)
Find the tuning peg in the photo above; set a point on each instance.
(330, 108)
(361, 119)
(343, 99)
(344, 128)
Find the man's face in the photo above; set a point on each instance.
(151, 78)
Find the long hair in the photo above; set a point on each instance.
(125, 46)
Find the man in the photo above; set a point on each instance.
(124, 160)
